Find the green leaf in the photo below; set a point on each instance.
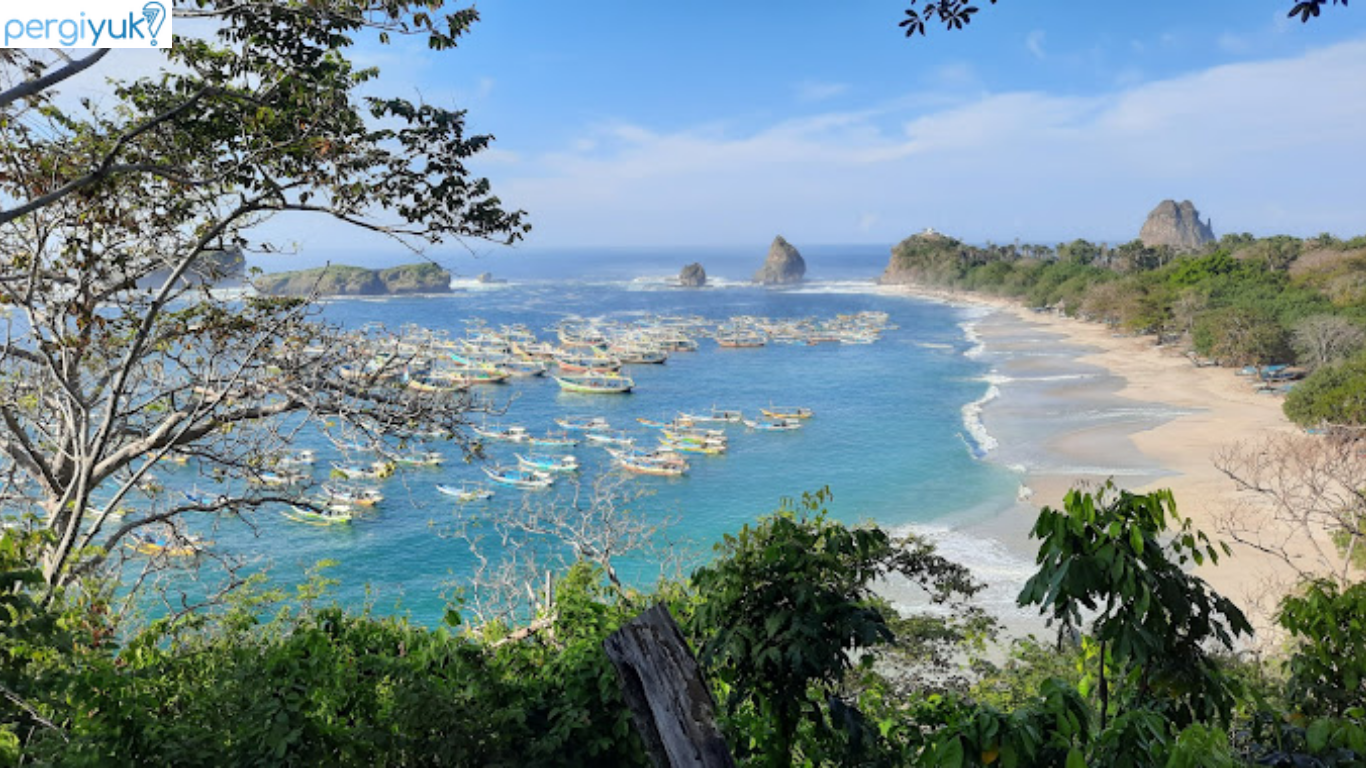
(1075, 759)
(1317, 735)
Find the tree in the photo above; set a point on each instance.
(124, 356)
(1241, 336)
(1321, 340)
(1334, 395)
(1120, 556)
(1303, 502)
(955, 14)
(787, 610)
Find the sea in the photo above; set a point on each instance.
(897, 437)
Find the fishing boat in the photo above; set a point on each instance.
(357, 495)
(329, 514)
(587, 364)
(663, 465)
(519, 478)
(465, 493)
(275, 479)
(552, 440)
(375, 471)
(787, 412)
(620, 438)
(740, 341)
(300, 458)
(584, 423)
(596, 384)
(201, 499)
(180, 546)
(781, 425)
(426, 459)
(639, 355)
(512, 434)
(715, 415)
(542, 463)
(422, 385)
(709, 449)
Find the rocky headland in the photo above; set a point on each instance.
(692, 276)
(912, 258)
(784, 265)
(1177, 226)
(340, 280)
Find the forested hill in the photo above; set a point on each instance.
(1239, 301)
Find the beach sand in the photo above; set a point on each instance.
(1099, 405)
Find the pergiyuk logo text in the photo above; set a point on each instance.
(89, 24)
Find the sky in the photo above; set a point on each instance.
(724, 122)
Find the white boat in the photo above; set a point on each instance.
(465, 493)
(541, 463)
(519, 478)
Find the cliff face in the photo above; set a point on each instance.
(693, 276)
(356, 281)
(1177, 226)
(784, 265)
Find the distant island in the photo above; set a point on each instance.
(342, 280)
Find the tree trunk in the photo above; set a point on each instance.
(670, 702)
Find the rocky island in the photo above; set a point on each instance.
(1177, 226)
(693, 276)
(340, 280)
(784, 265)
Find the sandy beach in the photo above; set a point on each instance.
(1101, 405)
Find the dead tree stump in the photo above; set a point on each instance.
(670, 703)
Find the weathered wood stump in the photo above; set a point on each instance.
(670, 703)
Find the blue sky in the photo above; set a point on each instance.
(709, 123)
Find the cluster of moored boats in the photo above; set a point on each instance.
(586, 356)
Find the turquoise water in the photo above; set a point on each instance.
(889, 437)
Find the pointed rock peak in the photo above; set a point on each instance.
(783, 266)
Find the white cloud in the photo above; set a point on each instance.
(1034, 42)
(1260, 146)
(811, 91)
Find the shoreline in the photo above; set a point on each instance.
(1164, 422)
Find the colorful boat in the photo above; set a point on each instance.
(181, 546)
(596, 384)
(375, 471)
(427, 459)
(710, 449)
(358, 495)
(787, 412)
(783, 425)
(331, 514)
(519, 478)
(542, 463)
(659, 464)
(465, 493)
(716, 415)
(620, 438)
(503, 434)
(587, 364)
(552, 440)
(584, 423)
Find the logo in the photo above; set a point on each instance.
(87, 24)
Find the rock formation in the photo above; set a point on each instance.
(693, 276)
(784, 266)
(356, 281)
(915, 259)
(1177, 226)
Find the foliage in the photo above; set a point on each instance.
(1333, 394)
(955, 14)
(1105, 553)
(1328, 664)
(786, 611)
